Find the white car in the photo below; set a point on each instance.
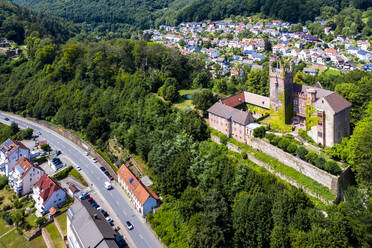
(86, 153)
(94, 160)
(108, 185)
(78, 168)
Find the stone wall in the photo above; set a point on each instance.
(287, 179)
(309, 170)
(87, 147)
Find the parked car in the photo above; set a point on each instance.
(94, 160)
(78, 168)
(108, 185)
(110, 177)
(84, 196)
(129, 225)
(107, 173)
(110, 221)
(58, 152)
(86, 153)
(102, 168)
(6, 118)
(89, 199)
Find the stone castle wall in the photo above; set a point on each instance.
(309, 170)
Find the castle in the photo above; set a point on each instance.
(323, 113)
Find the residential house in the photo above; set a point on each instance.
(87, 227)
(143, 198)
(10, 152)
(310, 71)
(47, 193)
(23, 176)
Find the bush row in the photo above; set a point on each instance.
(288, 144)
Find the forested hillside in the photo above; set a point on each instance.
(121, 16)
(16, 23)
(211, 197)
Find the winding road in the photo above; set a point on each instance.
(141, 236)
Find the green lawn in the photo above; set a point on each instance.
(55, 236)
(184, 104)
(31, 219)
(13, 240)
(62, 221)
(78, 176)
(4, 227)
(36, 243)
(330, 72)
(188, 92)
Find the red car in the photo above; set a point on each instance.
(110, 177)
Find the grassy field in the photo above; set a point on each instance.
(62, 222)
(78, 176)
(7, 196)
(31, 219)
(36, 243)
(4, 227)
(13, 240)
(55, 236)
(330, 72)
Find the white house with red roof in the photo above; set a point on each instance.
(10, 152)
(143, 198)
(47, 193)
(24, 175)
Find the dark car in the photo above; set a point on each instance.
(58, 152)
(129, 225)
(102, 168)
(107, 173)
(6, 118)
(90, 199)
(104, 213)
(110, 177)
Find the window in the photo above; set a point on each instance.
(320, 134)
(295, 109)
(320, 123)
(295, 102)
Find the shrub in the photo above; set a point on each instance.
(292, 148)
(7, 218)
(3, 181)
(283, 144)
(275, 140)
(301, 152)
(27, 227)
(63, 173)
(223, 139)
(7, 207)
(270, 136)
(320, 162)
(40, 221)
(332, 167)
(311, 157)
(259, 132)
(17, 204)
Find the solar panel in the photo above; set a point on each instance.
(8, 142)
(131, 180)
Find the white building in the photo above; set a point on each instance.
(47, 193)
(143, 198)
(10, 152)
(23, 176)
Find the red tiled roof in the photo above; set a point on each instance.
(234, 100)
(141, 192)
(26, 165)
(47, 187)
(73, 188)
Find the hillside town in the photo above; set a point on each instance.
(228, 44)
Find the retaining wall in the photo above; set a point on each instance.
(87, 147)
(309, 170)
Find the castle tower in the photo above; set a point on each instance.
(281, 89)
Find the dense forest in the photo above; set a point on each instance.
(16, 23)
(115, 16)
(212, 198)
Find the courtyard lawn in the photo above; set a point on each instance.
(62, 221)
(7, 196)
(36, 243)
(13, 240)
(55, 236)
(185, 104)
(31, 219)
(330, 72)
(4, 227)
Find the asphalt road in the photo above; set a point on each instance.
(141, 235)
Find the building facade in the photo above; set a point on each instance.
(10, 152)
(47, 193)
(23, 176)
(143, 198)
(323, 113)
